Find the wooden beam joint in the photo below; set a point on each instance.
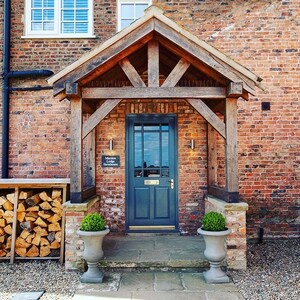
(235, 89)
(72, 90)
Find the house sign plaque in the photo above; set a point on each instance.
(110, 161)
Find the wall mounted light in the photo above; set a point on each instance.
(192, 144)
(111, 144)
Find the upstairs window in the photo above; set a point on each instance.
(130, 10)
(59, 18)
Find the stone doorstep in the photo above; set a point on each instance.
(156, 285)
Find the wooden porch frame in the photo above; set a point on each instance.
(151, 31)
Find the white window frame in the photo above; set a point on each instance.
(56, 33)
(120, 2)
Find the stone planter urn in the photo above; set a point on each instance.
(215, 253)
(92, 254)
(92, 231)
(214, 232)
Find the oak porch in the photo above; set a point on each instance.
(157, 60)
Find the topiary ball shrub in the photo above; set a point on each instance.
(92, 222)
(213, 221)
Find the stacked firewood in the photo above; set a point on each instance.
(38, 221)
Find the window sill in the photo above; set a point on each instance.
(61, 37)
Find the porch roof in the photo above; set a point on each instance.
(176, 41)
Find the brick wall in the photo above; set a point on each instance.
(261, 35)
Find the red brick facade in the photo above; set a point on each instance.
(261, 35)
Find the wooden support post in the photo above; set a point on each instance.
(153, 64)
(231, 150)
(76, 178)
(90, 158)
(212, 165)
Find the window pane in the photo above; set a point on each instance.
(81, 15)
(81, 28)
(48, 26)
(138, 150)
(81, 3)
(48, 3)
(67, 3)
(127, 11)
(37, 26)
(68, 15)
(151, 127)
(68, 27)
(139, 10)
(151, 149)
(48, 15)
(37, 15)
(37, 3)
(125, 23)
(165, 149)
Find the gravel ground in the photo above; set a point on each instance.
(273, 273)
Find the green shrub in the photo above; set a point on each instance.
(213, 221)
(92, 222)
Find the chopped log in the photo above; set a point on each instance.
(55, 218)
(2, 253)
(44, 215)
(33, 200)
(33, 208)
(45, 250)
(21, 243)
(57, 211)
(2, 239)
(33, 214)
(8, 243)
(21, 251)
(1, 212)
(28, 225)
(44, 196)
(11, 197)
(58, 236)
(54, 227)
(25, 194)
(24, 234)
(8, 205)
(33, 251)
(45, 205)
(8, 229)
(36, 240)
(8, 254)
(55, 245)
(41, 231)
(39, 221)
(44, 242)
(56, 203)
(30, 219)
(8, 216)
(2, 222)
(29, 238)
(2, 200)
(55, 193)
(2, 231)
(21, 206)
(51, 236)
(21, 216)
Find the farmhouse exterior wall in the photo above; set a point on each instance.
(261, 35)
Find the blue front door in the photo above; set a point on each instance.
(151, 173)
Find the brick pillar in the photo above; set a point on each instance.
(235, 214)
(74, 213)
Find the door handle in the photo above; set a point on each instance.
(171, 183)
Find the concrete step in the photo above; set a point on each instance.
(154, 252)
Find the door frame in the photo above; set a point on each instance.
(142, 118)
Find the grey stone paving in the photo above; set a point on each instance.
(164, 268)
(156, 285)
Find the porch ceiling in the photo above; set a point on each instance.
(202, 64)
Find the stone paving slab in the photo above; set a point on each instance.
(156, 285)
(35, 295)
